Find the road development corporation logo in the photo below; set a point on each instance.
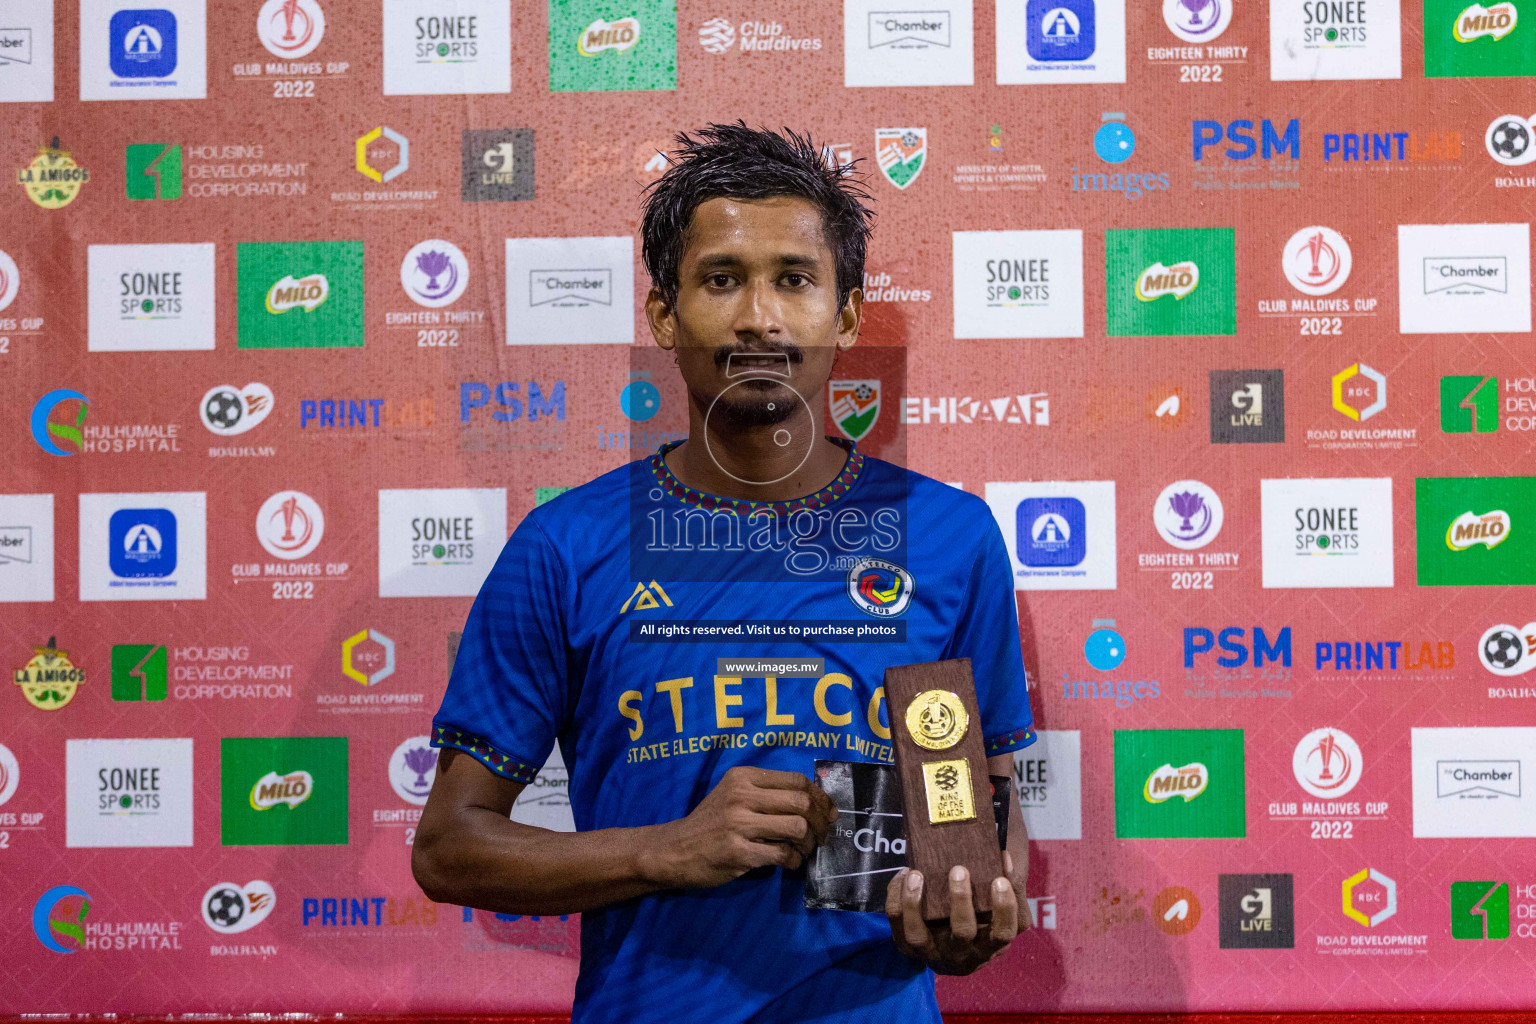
(1257, 911)
(901, 154)
(1197, 21)
(382, 154)
(290, 29)
(1507, 650)
(229, 908)
(880, 588)
(1365, 905)
(49, 679)
(434, 273)
(367, 657)
(227, 410)
(1317, 261)
(1327, 763)
(1359, 392)
(1179, 783)
(52, 923)
(412, 767)
(1188, 514)
(290, 525)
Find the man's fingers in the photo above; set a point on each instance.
(962, 910)
(770, 778)
(913, 928)
(893, 900)
(783, 801)
(791, 829)
(1005, 912)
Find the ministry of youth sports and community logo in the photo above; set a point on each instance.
(880, 588)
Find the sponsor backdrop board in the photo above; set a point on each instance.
(1223, 306)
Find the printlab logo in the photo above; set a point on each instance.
(1175, 281)
(139, 672)
(230, 909)
(1247, 406)
(1197, 21)
(290, 29)
(1327, 763)
(1476, 531)
(1257, 911)
(1188, 514)
(1507, 650)
(290, 525)
(299, 294)
(227, 410)
(434, 273)
(1317, 261)
(283, 791)
(152, 170)
(496, 165)
(412, 767)
(1479, 910)
(69, 922)
(1179, 783)
(1359, 392)
(1463, 40)
(44, 431)
(901, 154)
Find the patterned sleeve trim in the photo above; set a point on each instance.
(502, 764)
(1010, 741)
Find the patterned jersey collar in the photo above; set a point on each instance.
(834, 492)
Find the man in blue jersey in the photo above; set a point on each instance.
(603, 621)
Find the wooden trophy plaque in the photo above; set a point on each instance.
(946, 793)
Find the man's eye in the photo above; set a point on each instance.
(795, 280)
(720, 280)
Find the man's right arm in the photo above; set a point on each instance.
(469, 852)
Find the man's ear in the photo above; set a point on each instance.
(848, 320)
(661, 316)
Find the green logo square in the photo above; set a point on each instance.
(1469, 405)
(1465, 39)
(605, 45)
(543, 494)
(1479, 910)
(1180, 784)
(299, 294)
(1170, 281)
(152, 171)
(283, 791)
(138, 672)
(1476, 531)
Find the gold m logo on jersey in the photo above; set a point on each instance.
(646, 595)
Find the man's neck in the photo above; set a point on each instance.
(750, 467)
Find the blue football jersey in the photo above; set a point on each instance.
(601, 627)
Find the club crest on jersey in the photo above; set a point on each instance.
(644, 596)
(855, 406)
(879, 587)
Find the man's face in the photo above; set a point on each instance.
(756, 322)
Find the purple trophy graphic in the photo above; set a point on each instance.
(434, 264)
(1189, 507)
(1196, 8)
(420, 760)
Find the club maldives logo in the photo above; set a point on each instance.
(1507, 650)
(880, 588)
(44, 432)
(1197, 21)
(290, 524)
(901, 154)
(1317, 261)
(855, 406)
(1188, 514)
(600, 36)
(272, 790)
(49, 679)
(52, 179)
(434, 273)
(45, 925)
(1159, 280)
(1327, 763)
(1167, 782)
(290, 28)
(229, 908)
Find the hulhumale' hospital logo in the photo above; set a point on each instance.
(72, 926)
(44, 432)
(880, 588)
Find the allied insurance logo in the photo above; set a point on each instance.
(880, 588)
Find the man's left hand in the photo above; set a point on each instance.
(960, 945)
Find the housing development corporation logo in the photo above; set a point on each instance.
(1480, 910)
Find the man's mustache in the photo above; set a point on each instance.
(775, 359)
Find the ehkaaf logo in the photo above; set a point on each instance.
(1257, 911)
